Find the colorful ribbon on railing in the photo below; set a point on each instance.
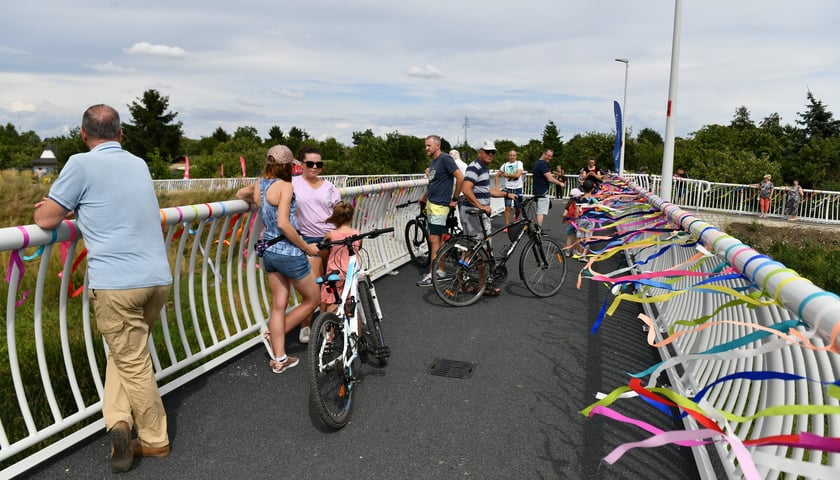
(637, 285)
(16, 262)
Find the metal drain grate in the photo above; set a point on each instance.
(443, 367)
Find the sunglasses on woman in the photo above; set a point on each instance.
(312, 164)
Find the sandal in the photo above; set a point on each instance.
(266, 338)
(492, 292)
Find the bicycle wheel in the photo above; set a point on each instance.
(542, 267)
(465, 272)
(330, 389)
(417, 242)
(376, 352)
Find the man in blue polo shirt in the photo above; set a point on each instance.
(128, 272)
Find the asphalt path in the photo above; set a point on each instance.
(535, 366)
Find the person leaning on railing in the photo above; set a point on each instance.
(128, 272)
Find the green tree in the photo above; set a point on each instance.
(817, 121)
(275, 136)
(67, 145)
(742, 119)
(331, 149)
(153, 127)
(530, 152)
(407, 153)
(551, 139)
(369, 156)
(295, 140)
(247, 135)
(220, 135)
(581, 147)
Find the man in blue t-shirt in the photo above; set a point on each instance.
(128, 272)
(542, 179)
(440, 197)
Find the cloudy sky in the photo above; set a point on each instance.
(333, 67)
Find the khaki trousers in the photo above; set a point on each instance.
(124, 318)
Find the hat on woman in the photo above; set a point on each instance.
(279, 154)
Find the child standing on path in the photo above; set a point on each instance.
(570, 214)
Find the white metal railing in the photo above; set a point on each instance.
(220, 299)
(54, 358)
(801, 300)
(816, 205)
(234, 183)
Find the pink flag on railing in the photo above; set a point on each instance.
(242, 164)
(186, 168)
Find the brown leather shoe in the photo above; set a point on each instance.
(140, 450)
(121, 448)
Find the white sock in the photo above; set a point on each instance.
(281, 359)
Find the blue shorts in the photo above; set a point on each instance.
(311, 239)
(293, 267)
(509, 202)
(570, 230)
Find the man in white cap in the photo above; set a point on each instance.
(477, 193)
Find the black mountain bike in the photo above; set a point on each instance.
(471, 268)
(417, 233)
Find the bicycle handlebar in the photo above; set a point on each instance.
(403, 205)
(348, 241)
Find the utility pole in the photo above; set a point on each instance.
(466, 126)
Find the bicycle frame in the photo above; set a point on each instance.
(348, 308)
(527, 225)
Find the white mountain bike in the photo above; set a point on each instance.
(340, 341)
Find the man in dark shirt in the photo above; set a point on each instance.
(542, 179)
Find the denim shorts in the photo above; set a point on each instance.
(309, 239)
(293, 267)
(509, 202)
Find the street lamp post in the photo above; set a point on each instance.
(626, 63)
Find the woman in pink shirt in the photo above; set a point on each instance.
(315, 199)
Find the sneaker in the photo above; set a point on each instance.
(280, 367)
(426, 281)
(304, 335)
(121, 452)
(440, 274)
(567, 253)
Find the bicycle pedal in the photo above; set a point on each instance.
(382, 352)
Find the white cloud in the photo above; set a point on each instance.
(145, 48)
(424, 71)
(109, 67)
(18, 106)
(290, 93)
